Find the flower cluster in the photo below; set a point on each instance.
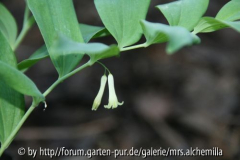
(113, 100)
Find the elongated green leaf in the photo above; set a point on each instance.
(224, 19)
(122, 17)
(12, 108)
(40, 54)
(184, 13)
(209, 24)
(18, 81)
(57, 17)
(89, 32)
(178, 37)
(96, 51)
(8, 25)
(230, 11)
(11, 102)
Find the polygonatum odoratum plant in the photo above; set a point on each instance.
(67, 41)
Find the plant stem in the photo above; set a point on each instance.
(104, 67)
(27, 24)
(20, 38)
(134, 47)
(22, 35)
(15, 131)
(61, 79)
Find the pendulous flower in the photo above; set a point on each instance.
(113, 100)
(99, 96)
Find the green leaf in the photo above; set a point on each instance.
(40, 54)
(172, 12)
(8, 25)
(12, 103)
(57, 17)
(12, 108)
(209, 24)
(230, 11)
(224, 19)
(184, 13)
(122, 17)
(18, 81)
(178, 37)
(89, 32)
(96, 51)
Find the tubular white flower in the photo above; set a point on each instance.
(113, 100)
(99, 96)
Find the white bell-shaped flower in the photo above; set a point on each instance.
(99, 96)
(113, 100)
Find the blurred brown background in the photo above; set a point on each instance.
(189, 99)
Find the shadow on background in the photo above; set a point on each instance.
(189, 99)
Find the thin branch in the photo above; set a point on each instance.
(144, 45)
(27, 25)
